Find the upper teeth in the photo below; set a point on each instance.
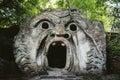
(62, 44)
(54, 44)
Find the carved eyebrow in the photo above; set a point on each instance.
(41, 21)
(70, 21)
(73, 21)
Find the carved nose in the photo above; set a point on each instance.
(67, 35)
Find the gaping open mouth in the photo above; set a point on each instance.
(56, 54)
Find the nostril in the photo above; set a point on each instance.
(52, 35)
(66, 35)
(61, 35)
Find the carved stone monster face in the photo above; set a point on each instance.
(53, 40)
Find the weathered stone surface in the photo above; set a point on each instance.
(59, 40)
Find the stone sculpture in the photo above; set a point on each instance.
(62, 39)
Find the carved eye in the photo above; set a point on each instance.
(45, 25)
(73, 27)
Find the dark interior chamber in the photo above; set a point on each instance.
(57, 55)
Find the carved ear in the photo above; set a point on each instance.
(96, 30)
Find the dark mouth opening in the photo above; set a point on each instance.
(57, 54)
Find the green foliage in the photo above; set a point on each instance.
(61, 4)
(7, 14)
(14, 11)
(114, 44)
(113, 53)
(94, 9)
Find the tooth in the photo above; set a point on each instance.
(62, 44)
(54, 44)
